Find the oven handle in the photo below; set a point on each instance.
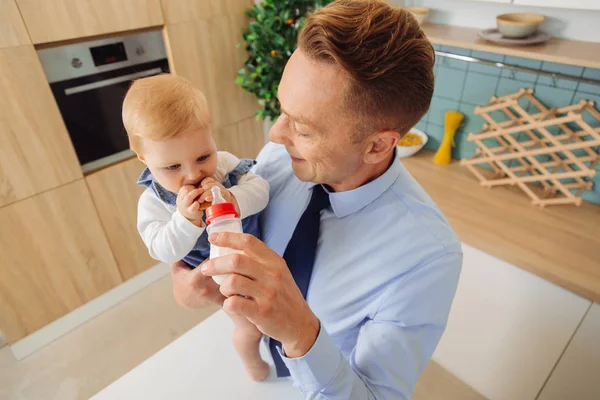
(111, 81)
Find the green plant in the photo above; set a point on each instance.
(270, 39)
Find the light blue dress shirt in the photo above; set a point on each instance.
(385, 274)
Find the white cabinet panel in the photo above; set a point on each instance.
(579, 4)
(507, 328)
(577, 375)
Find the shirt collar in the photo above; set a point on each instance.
(346, 203)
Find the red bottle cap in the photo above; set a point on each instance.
(220, 210)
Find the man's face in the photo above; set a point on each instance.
(314, 126)
(185, 159)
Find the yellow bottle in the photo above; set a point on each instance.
(452, 122)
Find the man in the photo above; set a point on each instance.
(358, 267)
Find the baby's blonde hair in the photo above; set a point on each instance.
(161, 107)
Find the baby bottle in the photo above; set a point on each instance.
(221, 217)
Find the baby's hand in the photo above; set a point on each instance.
(189, 206)
(207, 184)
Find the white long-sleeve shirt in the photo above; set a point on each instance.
(170, 236)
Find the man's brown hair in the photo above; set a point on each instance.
(386, 55)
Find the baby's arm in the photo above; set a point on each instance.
(168, 236)
(251, 192)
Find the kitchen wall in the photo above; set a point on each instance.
(560, 22)
(460, 85)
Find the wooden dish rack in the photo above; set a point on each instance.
(533, 144)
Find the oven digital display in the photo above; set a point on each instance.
(108, 54)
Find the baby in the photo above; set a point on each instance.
(169, 127)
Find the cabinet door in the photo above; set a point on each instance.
(12, 29)
(116, 195)
(245, 139)
(577, 375)
(177, 11)
(55, 258)
(507, 328)
(36, 153)
(56, 20)
(579, 4)
(203, 38)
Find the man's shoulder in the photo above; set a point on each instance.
(410, 234)
(414, 213)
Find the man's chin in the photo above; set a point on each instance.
(301, 172)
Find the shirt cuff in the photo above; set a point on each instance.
(238, 193)
(317, 368)
(182, 224)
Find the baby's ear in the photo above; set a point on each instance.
(141, 158)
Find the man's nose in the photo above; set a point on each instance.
(279, 132)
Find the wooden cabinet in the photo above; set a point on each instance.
(116, 195)
(203, 38)
(507, 328)
(36, 153)
(55, 258)
(12, 29)
(577, 375)
(574, 4)
(177, 11)
(56, 20)
(245, 139)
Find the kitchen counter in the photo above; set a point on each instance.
(573, 52)
(200, 365)
(560, 244)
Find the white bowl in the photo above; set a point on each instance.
(407, 151)
(420, 13)
(517, 25)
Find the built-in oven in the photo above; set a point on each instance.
(89, 81)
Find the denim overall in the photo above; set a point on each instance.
(201, 250)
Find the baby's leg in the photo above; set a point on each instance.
(246, 339)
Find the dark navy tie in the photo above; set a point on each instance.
(300, 256)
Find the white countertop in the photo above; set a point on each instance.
(200, 365)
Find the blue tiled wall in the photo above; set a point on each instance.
(460, 85)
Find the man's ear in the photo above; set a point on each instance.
(380, 146)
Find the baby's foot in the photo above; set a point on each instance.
(258, 371)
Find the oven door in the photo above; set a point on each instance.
(91, 108)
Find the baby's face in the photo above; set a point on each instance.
(183, 160)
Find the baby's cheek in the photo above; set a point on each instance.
(170, 182)
(212, 167)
